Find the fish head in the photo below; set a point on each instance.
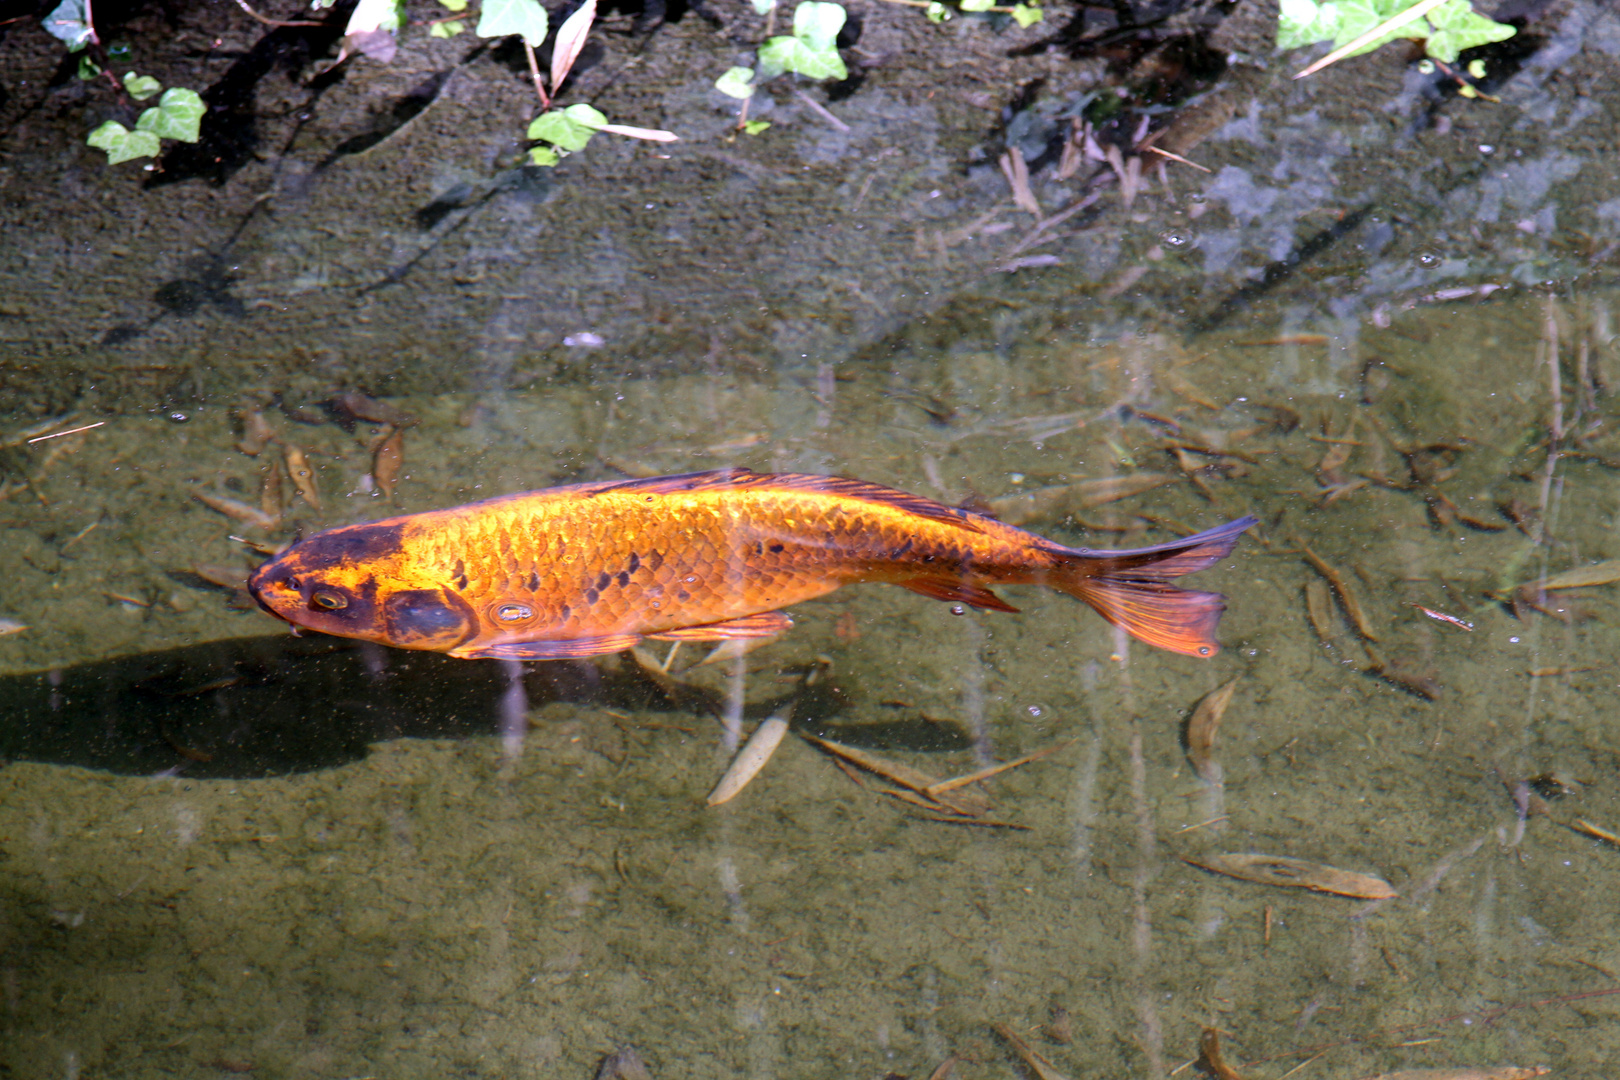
(357, 582)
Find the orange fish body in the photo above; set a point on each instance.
(594, 568)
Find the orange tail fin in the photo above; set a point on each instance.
(1132, 589)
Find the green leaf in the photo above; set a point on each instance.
(1301, 23)
(764, 7)
(543, 156)
(1025, 15)
(977, 5)
(817, 25)
(447, 29)
(754, 127)
(503, 17)
(453, 5)
(178, 115)
(140, 87)
(735, 83)
(1457, 27)
(88, 68)
(569, 129)
(790, 54)
(67, 23)
(937, 12)
(370, 15)
(123, 144)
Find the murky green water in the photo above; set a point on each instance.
(1383, 323)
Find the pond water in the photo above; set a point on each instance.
(1377, 315)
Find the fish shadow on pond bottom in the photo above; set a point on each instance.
(265, 706)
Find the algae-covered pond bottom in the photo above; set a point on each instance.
(225, 850)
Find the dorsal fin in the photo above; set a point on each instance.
(740, 479)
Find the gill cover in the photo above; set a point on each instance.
(428, 619)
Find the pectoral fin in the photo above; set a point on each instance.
(550, 650)
(765, 624)
(957, 591)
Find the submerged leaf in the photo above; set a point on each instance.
(781, 54)
(1296, 874)
(502, 17)
(1457, 27)
(140, 87)
(735, 83)
(123, 144)
(1027, 15)
(177, 115)
(568, 129)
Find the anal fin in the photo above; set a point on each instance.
(765, 624)
(957, 591)
(550, 650)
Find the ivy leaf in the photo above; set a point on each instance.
(140, 87)
(1457, 27)
(754, 127)
(544, 156)
(453, 5)
(67, 23)
(977, 5)
(735, 83)
(1301, 23)
(568, 129)
(123, 144)
(764, 7)
(1026, 16)
(817, 25)
(790, 54)
(178, 115)
(937, 12)
(503, 17)
(447, 29)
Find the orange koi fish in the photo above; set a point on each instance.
(588, 569)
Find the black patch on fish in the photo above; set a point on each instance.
(591, 596)
(348, 545)
(420, 615)
(534, 581)
(901, 550)
(635, 562)
(624, 578)
(759, 547)
(777, 549)
(655, 560)
(564, 611)
(460, 581)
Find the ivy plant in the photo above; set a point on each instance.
(177, 115)
(1445, 31)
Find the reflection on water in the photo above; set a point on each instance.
(226, 850)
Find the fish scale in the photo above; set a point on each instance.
(592, 568)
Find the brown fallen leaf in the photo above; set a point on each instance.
(1284, 872)
(1341, 589)
(1202, 726)
(387, 460)
(234, 508)
(303, 477)
(1603, 573)
(1596, 831)
(966, 803)
(1036, 1064)
(1319, 607)
(1210, 1059)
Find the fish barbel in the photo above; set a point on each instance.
(588, 569)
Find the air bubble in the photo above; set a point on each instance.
(1034, 710)
(1174, 238)
(958, 609)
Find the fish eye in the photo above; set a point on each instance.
(328, 600)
